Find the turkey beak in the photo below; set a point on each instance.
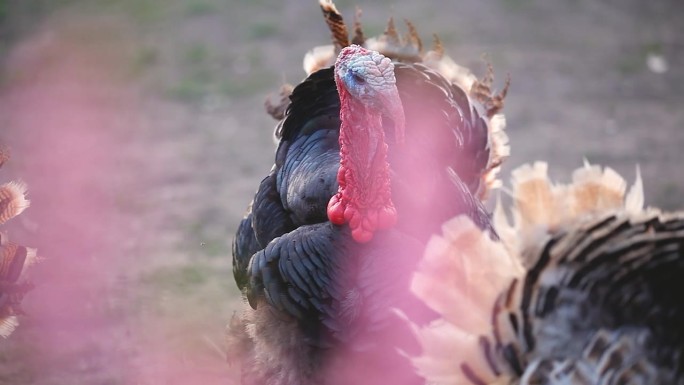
(394, 109)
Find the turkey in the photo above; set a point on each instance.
(377, 147)
(584, 288)
(14, 258)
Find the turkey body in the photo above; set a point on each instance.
(321, 301)
(584, 288)
(602, 304)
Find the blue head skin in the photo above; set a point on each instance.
(368, 78)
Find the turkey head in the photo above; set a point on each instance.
(369, 101)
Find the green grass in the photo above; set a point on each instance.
(634, 60)
(197, 78)
(263, 30)
(202, 242)
(252, 84)
(197, 275)
(668, 196)
(144, 11)
(630, 65)
(16, 358)
(652, 48)
(196, 54)
(145, 59)
(200, 8)
(196, 293)
(256, 80)
(516, 5)
(177, 279)
(189, 89)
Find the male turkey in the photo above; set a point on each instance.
(585, 288)
(373, 156)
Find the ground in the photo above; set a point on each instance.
(139, 129)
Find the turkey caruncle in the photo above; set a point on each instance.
(375, 152)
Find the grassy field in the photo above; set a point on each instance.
(139, 128)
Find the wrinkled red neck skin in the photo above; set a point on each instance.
(364, 197)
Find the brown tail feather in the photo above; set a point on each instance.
(358, 37)
(482, 92)
(437, 46)
(335, 22)
(412, 37)
(276, 105)
(12, 200)
(14, 259)
(4, 156)
(391, 32)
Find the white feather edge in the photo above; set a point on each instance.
(443, 344)
(499, 151)
(318, 58)
(593, 190)
(15, 193)
(7, 326)
(461, 276)
(31, 259)
(634, 202)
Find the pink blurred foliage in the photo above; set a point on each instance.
(67, 117)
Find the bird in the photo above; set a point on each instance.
(582, 288)
(15, 259)
(376, 148)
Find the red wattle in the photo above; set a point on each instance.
(353, 216)
(336, 210)
(340, 177)
(387, 217)
(363, 199)
(349, 213)
(362, 236)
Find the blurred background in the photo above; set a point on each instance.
(139, 128)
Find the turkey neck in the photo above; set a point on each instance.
(363, 153)
(364, 196)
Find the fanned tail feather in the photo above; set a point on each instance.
(449, 280)
(4, 156)
(541, 207)
(634, 202)
(12, 200)
(7, 325)
(594, 190)
(14, 259)
(477, 285)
